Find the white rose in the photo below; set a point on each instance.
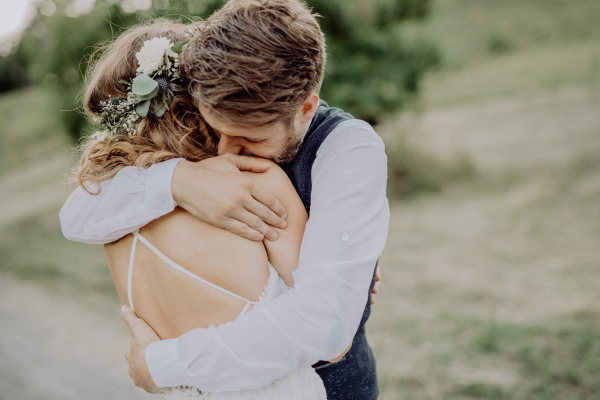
(151, 56)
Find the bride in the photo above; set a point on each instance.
(179, 273)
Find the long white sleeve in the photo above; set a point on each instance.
(316, 320)
(128, 201)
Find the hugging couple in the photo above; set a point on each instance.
(250, 277)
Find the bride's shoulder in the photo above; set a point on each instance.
(275, 180)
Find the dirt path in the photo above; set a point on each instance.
(52, 348)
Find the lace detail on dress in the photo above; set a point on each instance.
(272, 289)
(304, 384)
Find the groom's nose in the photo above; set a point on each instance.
(229, 145)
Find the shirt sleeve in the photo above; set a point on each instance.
(317, 319)
(130, 200)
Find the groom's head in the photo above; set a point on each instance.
(256, 70)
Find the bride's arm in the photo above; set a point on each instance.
(285, 252)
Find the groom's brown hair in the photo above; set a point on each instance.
(256, 61)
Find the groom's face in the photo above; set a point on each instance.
(276, 142)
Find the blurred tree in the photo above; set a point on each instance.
(13, 74)
(370, 71)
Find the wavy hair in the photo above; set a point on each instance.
(180, 133)
(256, 61)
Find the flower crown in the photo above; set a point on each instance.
(159, 76)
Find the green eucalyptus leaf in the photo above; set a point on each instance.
(179, 46)
(142, 108)
(160, 112)
(143, 84)
(150, 95)
(166, 58)
(155, 105)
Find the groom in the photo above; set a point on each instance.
(256, 70)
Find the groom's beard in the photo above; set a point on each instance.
(290, 149)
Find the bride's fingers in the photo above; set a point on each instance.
(131, 319)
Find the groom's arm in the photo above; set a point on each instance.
(223, 197)
(316, 320)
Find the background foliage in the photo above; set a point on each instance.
(491, 284)
(371, 71)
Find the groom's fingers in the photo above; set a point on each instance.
(255, 223)
(241, 228)
(273, 212)
(265, 219)
(249, 163)
(261, 195)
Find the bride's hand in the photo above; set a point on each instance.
(141, 336)
(376, 286)
(215, 191)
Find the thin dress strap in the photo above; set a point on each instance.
(130, 273)
(179, 268)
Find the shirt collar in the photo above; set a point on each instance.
(307, 127)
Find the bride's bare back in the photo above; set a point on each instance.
(171, 302)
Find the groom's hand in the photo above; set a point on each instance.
(141, 336)
(215, 191)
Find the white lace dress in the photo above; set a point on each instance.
(303, 384)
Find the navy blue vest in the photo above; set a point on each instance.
(354, 376)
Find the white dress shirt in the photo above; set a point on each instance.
(317, 319)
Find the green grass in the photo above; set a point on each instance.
(30, 130)
(34, 153)
(492, 48)
(517, 361)
(516, 73)
(412, 171)
(490, 289)
(490, 286)
(33, 249)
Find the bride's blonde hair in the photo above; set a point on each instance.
(180, 132)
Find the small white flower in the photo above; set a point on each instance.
(151, 56)
(101, 136)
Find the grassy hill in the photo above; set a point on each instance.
(490, 286)
(34, 166)
(508, 47)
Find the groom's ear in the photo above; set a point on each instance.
(309, 107)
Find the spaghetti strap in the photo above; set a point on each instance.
(130, 273)
(244, 310)
(179, 268)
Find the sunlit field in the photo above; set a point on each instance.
(491, 288)
(491, 274)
